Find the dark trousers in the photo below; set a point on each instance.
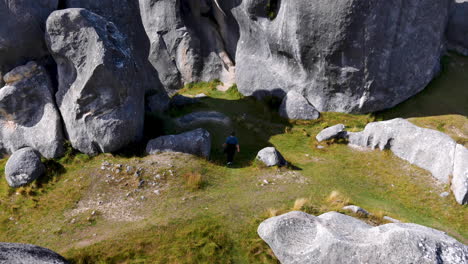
(230, 152)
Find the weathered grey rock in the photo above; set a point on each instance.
(271, 157)
(429, 149)
(179, 100)
(188, 40)
(203, 117)
(295, 106)
(158, 103)
(336, 131)
(22, 31)
(196, 142)
(342, 55)
(297, 237)
(12, 253)
(356, 209)
(99, 95)
(457, 28)
(28, 115)
(460, 175)
(23, 167)
(126, 16)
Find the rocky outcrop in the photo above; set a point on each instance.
(23, 167)
(22, 31)
(346, 56)
(28, 115)
(460, 175)
(203, 117)
(196, 142)
(336, 131)
(457, 29)
(271, 157)
(296, 107)
(126, 17)
(191, 41)
(297, 237)
(13, 253)
(426, 148)
(99, 95)
(429, 149)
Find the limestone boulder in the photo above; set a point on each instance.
(23, 167)
(271, 157)
(457, 28)
(99, 96)
(336, 131)
(22, 31)
(426, 148)
(296, 107)
(460, 175)
(28, 115)
(196, 142)
(13, 253)
(341, 55)
(297, 237)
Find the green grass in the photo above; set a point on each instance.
(214, 218)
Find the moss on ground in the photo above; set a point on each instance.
(217, 221)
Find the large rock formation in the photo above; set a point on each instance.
(22, 31)
(100, 97)
(191, 41)
(12, 253)
(342, 55)
(28, 115)
(23, 167)
(126, 16)
(457, 29)
(429, 149)
(297, 237)
(196, 142)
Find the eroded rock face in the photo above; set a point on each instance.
(13, 253)
(191, 41)
(457, 29)
(460, 175)
(426, 148)
(23, 167)
(196, 142)
(99, 95)
(346, 56)
(28, 115)
(22, 31)
(297, 237)
(295, 106)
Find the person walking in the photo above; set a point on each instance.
(230, 147)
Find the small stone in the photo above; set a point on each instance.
(444, 194)
(93, 213)
(142, 197)
(73, 221)
(157, 192)
(320, 147)
(265, 181)
(336, 131)
(141, 183)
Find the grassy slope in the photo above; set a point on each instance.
(217, 224)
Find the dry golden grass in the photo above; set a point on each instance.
(336, 199)
(193, 180)
(300, 203)
(272, 212)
